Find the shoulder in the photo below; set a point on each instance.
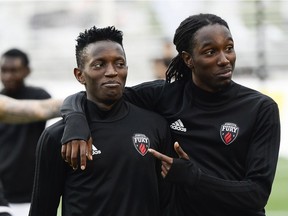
(158, 85)
(54, 132)
(49, 144)
(150, 84)
(176, 86)
(56, 127)
(255, 96)
(145, 88)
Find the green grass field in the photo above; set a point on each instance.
(278, 201)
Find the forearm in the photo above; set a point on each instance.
(73, 112)
(242, 194)
(47, 109)
(24, 111)
(145, 95)
(252, 190)
(74, 103)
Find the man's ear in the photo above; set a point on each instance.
(187, 58)
(79, 76)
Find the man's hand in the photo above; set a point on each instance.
(180, 151)
(70, 152)
(166, 160)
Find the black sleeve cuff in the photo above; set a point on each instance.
(76, 128)
(183, 171)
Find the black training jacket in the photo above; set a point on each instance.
(122, 180)
(232, 138)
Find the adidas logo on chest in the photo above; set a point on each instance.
(178, 125)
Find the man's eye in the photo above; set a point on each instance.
(97, 65)
(120, 65)
(230, 48)
(209, 52)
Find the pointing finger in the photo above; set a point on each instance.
(161, 156)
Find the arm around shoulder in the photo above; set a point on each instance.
(73, 112)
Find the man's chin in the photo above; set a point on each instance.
(225, 84)
(112, 99)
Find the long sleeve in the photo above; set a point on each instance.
(73, 109)
(145, 95)
(49, 177)
(251, 192)
(73, 113)
(166, 195)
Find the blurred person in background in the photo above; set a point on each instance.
(230, 133)
(18, 141)
(24, 111)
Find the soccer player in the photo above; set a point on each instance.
(230, 132)
(123, 179)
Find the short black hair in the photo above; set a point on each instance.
(183, 40)
(95, 34)
(16, 53)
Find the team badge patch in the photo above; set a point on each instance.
(141, 143)
(229, 132)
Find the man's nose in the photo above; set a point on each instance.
(111, 71)
(223, 60)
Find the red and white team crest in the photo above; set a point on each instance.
(141, 143)
(229, 132)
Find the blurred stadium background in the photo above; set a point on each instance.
(47, 30)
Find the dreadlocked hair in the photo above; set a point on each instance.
(184, 41)
(95, 34)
